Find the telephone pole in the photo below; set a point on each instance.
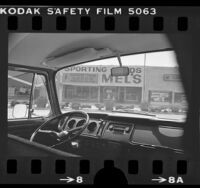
(144, 79)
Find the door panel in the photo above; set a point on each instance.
(24, 128)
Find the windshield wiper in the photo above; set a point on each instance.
(134, 112)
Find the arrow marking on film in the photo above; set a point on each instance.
(67, 179)
(160, 179)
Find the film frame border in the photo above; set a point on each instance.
(155, 24)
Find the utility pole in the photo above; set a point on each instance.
(144, 80)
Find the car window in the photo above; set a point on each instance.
(19, 91)
(27, 95)
(152, 86)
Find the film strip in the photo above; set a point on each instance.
(109, 23)
(59, 167)
(111, 154)
(36, 167)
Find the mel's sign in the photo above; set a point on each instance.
(101, 75)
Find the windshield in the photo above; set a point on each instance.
(153, 86)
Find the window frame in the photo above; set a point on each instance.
(23, 118)
(31, 99)
(12, 67)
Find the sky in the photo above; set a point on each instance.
(158, 59)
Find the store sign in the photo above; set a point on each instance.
(87, 69)
(102, 75)
(132, 79)
(160, 96)
(81, 78)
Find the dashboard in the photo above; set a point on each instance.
(132, 131)
(92, 128)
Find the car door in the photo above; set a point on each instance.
(27, 88)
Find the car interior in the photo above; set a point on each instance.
(93, 134)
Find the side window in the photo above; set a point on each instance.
(19, 93)
(40, 100)
(27, 95)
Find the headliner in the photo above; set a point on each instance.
(32, 48)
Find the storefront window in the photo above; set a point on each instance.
(109, 93)
(81, 92)
(133, 94)
(179, 98)
(94, 92)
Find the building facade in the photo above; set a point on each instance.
(154, 86)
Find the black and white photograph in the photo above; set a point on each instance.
(70, 92)
(95, 95)
(102, 107)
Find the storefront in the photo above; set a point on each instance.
(164, 87)
(94, 84)
(80, 93)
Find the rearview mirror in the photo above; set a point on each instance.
(120, 71)
(19, 111)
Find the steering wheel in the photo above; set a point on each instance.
(63, 134)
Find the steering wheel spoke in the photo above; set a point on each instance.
(74, 130)
(64, 133)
